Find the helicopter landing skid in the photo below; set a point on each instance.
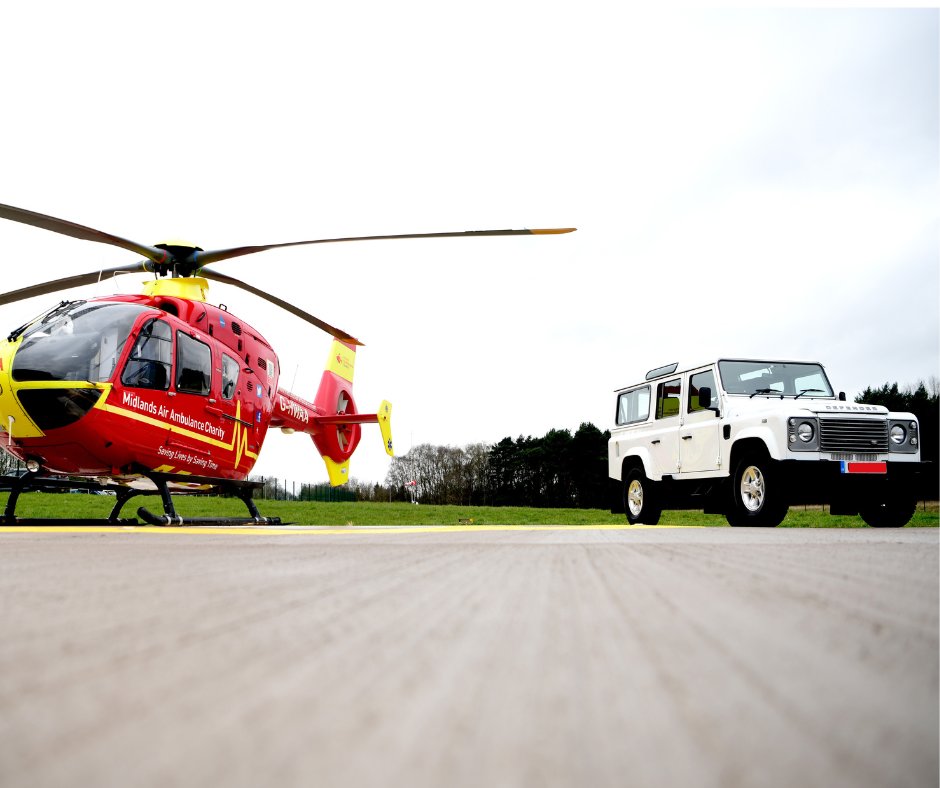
(243, 490)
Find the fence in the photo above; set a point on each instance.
(274, 489)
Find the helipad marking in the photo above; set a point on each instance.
(315, 530)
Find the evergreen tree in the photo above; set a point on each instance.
(925, 405)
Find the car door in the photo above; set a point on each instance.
(699, 435)
(664, 435)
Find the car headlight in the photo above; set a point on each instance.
(898, 434)
(802, 433)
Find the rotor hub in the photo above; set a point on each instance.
(181, 261)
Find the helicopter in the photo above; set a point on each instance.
(161, 392)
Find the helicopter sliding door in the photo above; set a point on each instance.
(200, 426)
(237, 411)
(193, 365)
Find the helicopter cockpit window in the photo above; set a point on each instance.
(229, 376)
(80, 340)
(193, 365)
(149, 364)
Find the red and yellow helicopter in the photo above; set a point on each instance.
(162, 391)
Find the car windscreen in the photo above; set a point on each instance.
(782, 378)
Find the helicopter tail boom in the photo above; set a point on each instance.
(332, 420)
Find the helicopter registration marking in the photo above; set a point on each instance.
(293, 409)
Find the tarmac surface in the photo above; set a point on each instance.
(469, 657)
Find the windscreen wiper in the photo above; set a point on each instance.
(45, 317)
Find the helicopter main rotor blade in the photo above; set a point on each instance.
(214, 256)
(185, 261)
(231, 280)
(41, 220)
(69, 281)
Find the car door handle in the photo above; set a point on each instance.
(655, 442)
(686, 437)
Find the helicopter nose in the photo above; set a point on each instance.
(29, 408)
(9, 407)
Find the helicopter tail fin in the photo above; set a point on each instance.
(336, 424)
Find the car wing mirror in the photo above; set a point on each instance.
(705, 400)
(705, 397)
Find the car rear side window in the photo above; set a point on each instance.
(633, 406)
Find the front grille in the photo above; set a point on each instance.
(853, 435)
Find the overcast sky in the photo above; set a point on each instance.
(757, 183)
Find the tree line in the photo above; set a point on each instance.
(559, 469)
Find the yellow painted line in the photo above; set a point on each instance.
(316, 530)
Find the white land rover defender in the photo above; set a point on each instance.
(749, 438)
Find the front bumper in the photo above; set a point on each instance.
(828, 482)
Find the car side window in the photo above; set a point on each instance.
(150, 362)
(633, 406)
(668, 395)
(193, 365)
(697, 381)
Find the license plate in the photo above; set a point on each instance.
(864, 467)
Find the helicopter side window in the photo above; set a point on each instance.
(229, 376)
(193, 365)
(151, 357)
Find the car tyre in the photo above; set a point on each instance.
(757, 493)
(641, 499)
(891, 507)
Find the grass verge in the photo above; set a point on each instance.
(50, 505)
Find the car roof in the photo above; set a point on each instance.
(675, 370)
